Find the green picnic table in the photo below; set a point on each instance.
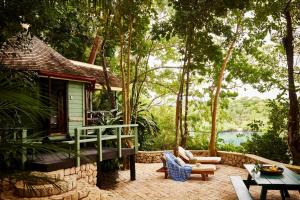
(288, 180)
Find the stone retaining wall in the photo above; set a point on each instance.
(228, 158)
(74, 183)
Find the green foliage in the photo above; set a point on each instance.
(20, 101)
(271, 144)
(147, 129)
(268, 145)
(228, 147)
(100, 100)
(147, 126)
(165, 137)
(21, 106)
(198, 141)
(68, 26)
(241, 112)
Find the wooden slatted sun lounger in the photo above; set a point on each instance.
(203, 169)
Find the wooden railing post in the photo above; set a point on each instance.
(77, 147)
(24, 150)
(136, 142)
(119, 142)
(99, 147)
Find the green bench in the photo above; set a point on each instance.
(240, 188)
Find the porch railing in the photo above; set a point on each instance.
(96, 135)
(87, 134)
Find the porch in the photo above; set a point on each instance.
(86, 146)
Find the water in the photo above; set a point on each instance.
(234, 137)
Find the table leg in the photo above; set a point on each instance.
(282, 191)
(263, 194)
(286, 193)
(247, 183)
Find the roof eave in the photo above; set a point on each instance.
(67, 76)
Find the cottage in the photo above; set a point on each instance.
(69, 85)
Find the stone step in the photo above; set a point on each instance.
(46, 189)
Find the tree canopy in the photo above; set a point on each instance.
(177, 58)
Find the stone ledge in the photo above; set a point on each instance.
(74, 183)
(228, 158)
(83, 191)
(46, 189)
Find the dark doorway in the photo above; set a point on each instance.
(56, 91)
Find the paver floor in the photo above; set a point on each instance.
(151, 185)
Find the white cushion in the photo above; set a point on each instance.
(182, 153)
(204, 168)
(179, 161)
(208, 159)
(189, 154)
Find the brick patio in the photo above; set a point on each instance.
(152, 185)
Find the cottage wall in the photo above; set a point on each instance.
(76, 108)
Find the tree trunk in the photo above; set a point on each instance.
(293, 119)
(123, 78)
(185, 130)
(128, 114)
(178, 114)
(95, 49)
(212, 143)
(109, 91)
(104, 65)
(134, 91)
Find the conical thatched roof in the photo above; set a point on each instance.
(30, 53)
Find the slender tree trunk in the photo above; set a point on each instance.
(185, 131)
(128, 114)
(95, 49)
(178, 113)
(212, 143)
(211, 89)
(104, 64)
(138, 87)
(293, 119)
(123, 76)
(187, 63)
(109, 91)
(134, 94)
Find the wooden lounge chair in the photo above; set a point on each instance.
(203, 169)
(188, 157)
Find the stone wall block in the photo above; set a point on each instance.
(83, 174)
(72, 170)
(74, 196)
(79, 175)
(67, 172)
(82, 167)
(67, 198)
(93, 167)
(77, 169)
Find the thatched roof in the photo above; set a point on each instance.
(30, 53)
